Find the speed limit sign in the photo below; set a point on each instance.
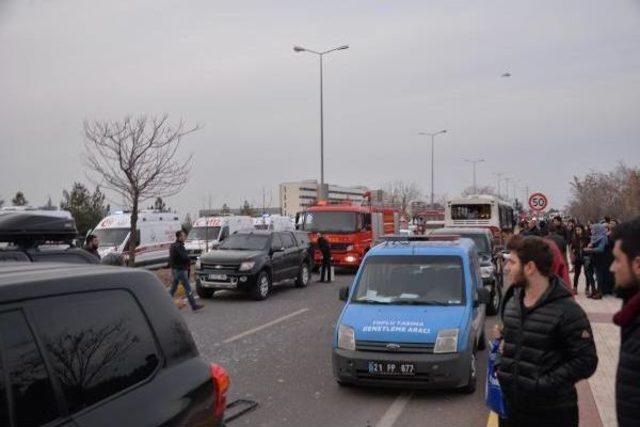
(538, 202)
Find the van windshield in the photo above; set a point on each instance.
(111, 236)
(421, 280)
(204, 233)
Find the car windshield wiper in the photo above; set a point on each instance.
(418, 302)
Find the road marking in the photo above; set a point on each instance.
(395, 410)
(266, 325)
(493, 420)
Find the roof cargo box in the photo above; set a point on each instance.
(36, 226)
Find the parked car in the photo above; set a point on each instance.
(252, 262)
(488, 253)
(414, 317)
(40, 236)
(87, 345)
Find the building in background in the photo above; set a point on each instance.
(297, 196)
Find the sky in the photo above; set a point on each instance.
(569, 107)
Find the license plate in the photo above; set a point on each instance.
(391, 368)
(217, 277)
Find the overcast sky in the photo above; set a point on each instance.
(571, 105)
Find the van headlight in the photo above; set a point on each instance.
(346, 338)
(247, 265)
(447, 341)
(487, 271)
(198, 263)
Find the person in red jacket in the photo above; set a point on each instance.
(559, 266)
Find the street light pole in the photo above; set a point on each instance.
(433, 136)
(499, 175)
(321, 194)
(474, 162)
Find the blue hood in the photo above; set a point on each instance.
(401, 323)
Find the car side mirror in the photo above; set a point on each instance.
(343, 293)
(483, 297)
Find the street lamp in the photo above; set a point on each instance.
(299, 49)
(499, 176)
(474, 162)
(432, 135)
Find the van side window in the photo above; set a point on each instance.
(475, 270)
(27, 375)
(98, 344)
(224, 233)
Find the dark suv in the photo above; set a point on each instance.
(252, 261)
(87, 345)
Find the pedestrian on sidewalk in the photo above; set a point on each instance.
(180, 264)
(626, 269)
(325, 250)
(578, 243)
(596, 250)
(547, 341)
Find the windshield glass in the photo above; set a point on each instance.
(481, 242)
(111, 236)
(330, 222)
(204, 233)
(411, 280)
(252, 242)
(474, 211)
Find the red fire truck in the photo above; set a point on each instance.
(350, 228)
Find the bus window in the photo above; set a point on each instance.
(472, 211)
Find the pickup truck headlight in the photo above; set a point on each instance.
(447, 341)
(487, 271)
(247, 265)
(198, 263)
(346, 338)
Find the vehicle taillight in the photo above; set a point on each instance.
(221, 381)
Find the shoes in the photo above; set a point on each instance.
(597, 295)
(197, 307)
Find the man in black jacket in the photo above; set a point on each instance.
(325, 250)
(547, 341)
(626, 269)
(92, 245)
(180, 263)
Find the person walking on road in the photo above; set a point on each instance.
(596, 249)
(626, 270)
(91, 245)
(547, 343)
(578, 243)
(180, 264)
(325, 250)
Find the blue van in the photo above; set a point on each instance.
(414, 316)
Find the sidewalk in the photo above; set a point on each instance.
(601, 386)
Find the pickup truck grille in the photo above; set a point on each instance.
(220, 266)
(383, 347)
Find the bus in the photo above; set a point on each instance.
(481, 210)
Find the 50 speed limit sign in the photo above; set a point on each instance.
(538, 202)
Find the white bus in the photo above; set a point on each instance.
(481, 210)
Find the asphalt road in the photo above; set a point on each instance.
(278, 353)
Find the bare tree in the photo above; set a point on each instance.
(402, 194)
(137, 159)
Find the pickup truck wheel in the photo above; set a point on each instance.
(260, 290)
(303, 276)
(496, 298)
(204, 292)
(470, 388)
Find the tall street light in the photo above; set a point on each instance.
(474, 162)
(432, 135)
(321, 194)
(499, 175)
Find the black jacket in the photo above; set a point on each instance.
(179, 257)
(324, 247)
(628, 375)
(547, 349)
(92, 251)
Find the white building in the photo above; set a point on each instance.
(297, 196)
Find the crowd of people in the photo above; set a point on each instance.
(546, 343)
(587, 249)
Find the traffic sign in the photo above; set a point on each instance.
(538, 202)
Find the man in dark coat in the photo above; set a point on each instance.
(626, 270)
(180, 264)
(547, 341)
(92, 245)
(325, 250)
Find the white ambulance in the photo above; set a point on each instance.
(208, 232)
(274, 223)
(156, 233)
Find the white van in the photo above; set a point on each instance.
(156, 233)
(274, 223)
(208, 232)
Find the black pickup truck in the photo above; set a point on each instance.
(252, 261)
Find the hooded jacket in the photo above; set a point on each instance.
(628, 375)
(548, 348)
